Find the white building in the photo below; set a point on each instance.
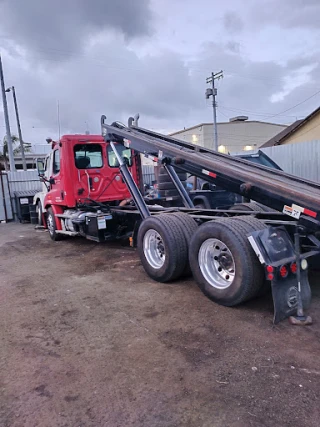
(239, 134)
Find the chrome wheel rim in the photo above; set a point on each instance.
(153, 248)
(50, 224)
(216, 263)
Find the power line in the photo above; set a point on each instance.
(267, 116)
(223, 114)
(252, 112)
(302, 102)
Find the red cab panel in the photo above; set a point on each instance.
(84, 169)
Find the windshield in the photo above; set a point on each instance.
(124, 152)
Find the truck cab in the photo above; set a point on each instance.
(81, 174)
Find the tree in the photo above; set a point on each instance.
(4, 153)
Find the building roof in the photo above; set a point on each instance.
(275, 140)
(280, 137)
(225, 123)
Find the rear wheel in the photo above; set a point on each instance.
(52, 225)
(253, 224)
(223, 263)
(162, 247)
(246, 207)
(189, 227)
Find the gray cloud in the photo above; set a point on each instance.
(48, 25)
(117, 84)
(287, 13)
(232, 22)
(117, 78)
(233, 46)
(248, 85)
(166, 91)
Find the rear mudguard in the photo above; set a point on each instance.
(274, 248)
(285, 296)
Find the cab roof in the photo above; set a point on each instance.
(83, 138)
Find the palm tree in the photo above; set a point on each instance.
(4, 155)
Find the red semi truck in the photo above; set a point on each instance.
(93, 187)
(82, 171)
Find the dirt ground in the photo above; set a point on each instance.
(87, 339)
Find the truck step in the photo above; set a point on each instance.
(62, 216)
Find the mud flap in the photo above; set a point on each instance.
(285, 296)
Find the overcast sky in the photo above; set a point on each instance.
(119, 57)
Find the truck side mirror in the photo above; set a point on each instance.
(40, 167)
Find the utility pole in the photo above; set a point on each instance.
(24, 163)
(6, 119)
(213, 92)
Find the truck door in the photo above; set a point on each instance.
(98, 176)
(56, 192)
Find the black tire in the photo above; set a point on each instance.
(173, 243)
(254, 224)
(248, 273)
(164, 177)
(169, 185)
(169, 193)
(246, 207)
(52, 226)
(39, 212)
(189, 227)
(166, 186)
(266, 208)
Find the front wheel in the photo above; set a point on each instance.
(52, 225)
(223, 263)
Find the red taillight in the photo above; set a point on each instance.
(283, 271)
(270, 276)
(270, 269)
(293, 267)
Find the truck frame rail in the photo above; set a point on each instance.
(276, 189)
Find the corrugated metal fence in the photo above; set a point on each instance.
(24, 181)
(302, 159)
(148, 174)
(12, 182)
